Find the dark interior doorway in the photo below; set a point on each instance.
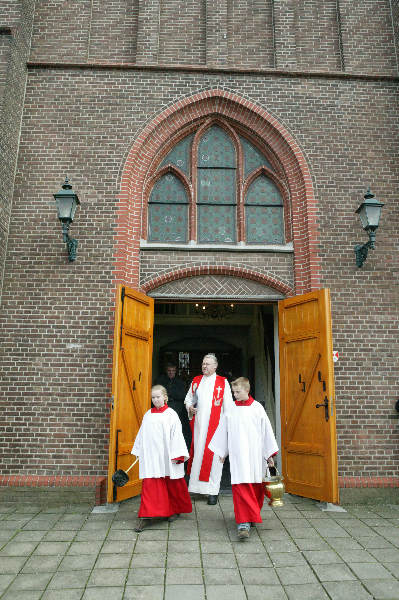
(241, 336)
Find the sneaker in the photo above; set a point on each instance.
(243, 531)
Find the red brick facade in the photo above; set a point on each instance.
(154, 141)
(99, 91)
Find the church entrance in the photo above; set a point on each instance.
(284, 348)
(241, 335)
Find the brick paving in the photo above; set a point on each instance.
(298, 552)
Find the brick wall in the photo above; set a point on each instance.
(250, 37)
(367, 37)
(56, 320)
(57, 317)
(182, 32)
(350, 35)
(307, 35)
(15, 33)
(395, 25)
(113, 31)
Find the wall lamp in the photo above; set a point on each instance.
(67, 202)
(369, 212)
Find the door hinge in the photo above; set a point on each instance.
(122, 301)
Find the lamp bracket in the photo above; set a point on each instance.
(72, 246)
(361, 251)
(71, 243)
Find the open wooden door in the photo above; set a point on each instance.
(308, 436)
(131, 384)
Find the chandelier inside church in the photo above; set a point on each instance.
(214, 311)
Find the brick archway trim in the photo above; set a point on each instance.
(180, 116)
(266, 280)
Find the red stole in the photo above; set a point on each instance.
(217, 402)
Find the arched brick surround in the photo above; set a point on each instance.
(253, 118)
(218, 270)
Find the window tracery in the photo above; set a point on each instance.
(216, 187)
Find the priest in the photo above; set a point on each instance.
(208, 397)
(246, 435)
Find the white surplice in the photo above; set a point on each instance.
(158, 440)
(204, 397)
(246, 435)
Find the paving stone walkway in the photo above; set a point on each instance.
(297, 553)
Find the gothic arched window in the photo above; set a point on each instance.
(167, 210)
(264, 212)
(216, 187)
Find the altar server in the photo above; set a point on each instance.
(207, 399)
(245, 434)
(161, 450)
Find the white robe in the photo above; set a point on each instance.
(245, 434)
(204, 405)
(158, 440)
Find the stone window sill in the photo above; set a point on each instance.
(240, 247)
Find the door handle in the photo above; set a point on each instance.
(325, 404)
(302, 382)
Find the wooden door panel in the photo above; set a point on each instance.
(309, 455)
(131, 384)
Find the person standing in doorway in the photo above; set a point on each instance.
(207, 399)
(176, 390)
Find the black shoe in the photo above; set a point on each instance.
(141, 523)
(212, 500)
(173, 517)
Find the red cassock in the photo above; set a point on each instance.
(164, 497)
(248, 501)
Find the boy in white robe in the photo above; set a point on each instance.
(246, 435)
(161, 450)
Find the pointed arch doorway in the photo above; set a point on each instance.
(304, 325)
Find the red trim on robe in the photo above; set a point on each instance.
(164, 497)
(179, 459)
(159, 410)
(246, 402)
(248, 501)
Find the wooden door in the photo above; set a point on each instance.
(131, 384)
(308, 436)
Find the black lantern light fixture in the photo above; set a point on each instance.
(369, 212)
(67, 202)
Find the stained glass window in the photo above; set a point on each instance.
(168, 211)
(253, 159)
(216, 224)
(216, 149)
(180, 155)
(216, 187)
(215, 169)
(264, 212)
